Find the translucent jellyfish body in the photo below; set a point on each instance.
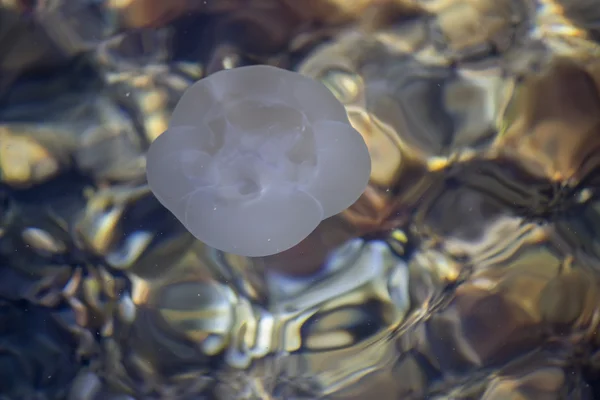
(255, 158)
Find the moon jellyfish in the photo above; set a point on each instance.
(255, 158)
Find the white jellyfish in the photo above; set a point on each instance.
(255, 158)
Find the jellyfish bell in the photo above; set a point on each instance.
(255, 158)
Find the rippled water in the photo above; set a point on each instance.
(469, 268)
